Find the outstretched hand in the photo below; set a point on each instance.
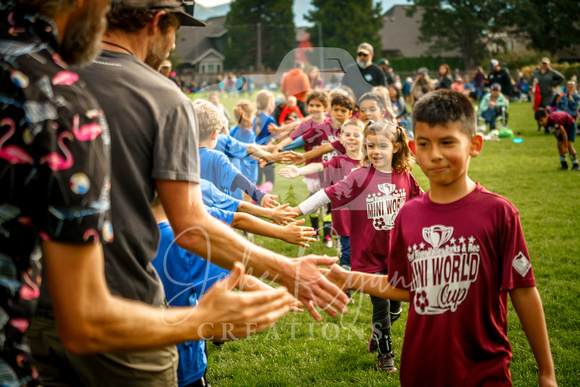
(229, 315)
(289, 172)
(309, 286)
(282, 215)
(269, 201)
(292, 157)
(297, 235)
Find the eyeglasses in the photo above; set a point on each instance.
(362, 54)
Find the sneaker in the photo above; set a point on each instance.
(386, 363)
(328, 241)
(563, 168)
(395, 316)
(373, 344)
(575, 167)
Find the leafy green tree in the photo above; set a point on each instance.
(549, 24)
(458, 24)
(291, 197)
(345, 24)
(276, 27)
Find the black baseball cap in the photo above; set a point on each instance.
(183, 9)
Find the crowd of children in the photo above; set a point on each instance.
(419, 247)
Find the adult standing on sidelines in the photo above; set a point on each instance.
(501, 76)
(296, 84)
(154, 139)
(362, 76)
(547, 78)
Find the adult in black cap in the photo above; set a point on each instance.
(388, 71)
(501, 76)
(362, 76)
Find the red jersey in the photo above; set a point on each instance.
(374, 199)
(458, 260)
(338, 168)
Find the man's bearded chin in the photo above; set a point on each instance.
(364, 64)
(82, 40)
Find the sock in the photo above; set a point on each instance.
(314, 222)
(574, 159)
(327, 228)
(385, 344)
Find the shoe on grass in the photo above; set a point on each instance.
(328, 241)
(386, 363)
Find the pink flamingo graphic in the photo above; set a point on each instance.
(87, 132)
(66, 78)
(54, 160)
(29, 290)
(12, 153)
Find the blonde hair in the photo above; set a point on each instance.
(243, 112)
(383, 92)
(265, 101)
(402, 157)
(354, 122)
(209, 118)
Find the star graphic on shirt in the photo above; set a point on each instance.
(414, 247)
(471, 239)
(461, 240)
(410, 249)
(421, 245)
(452, 241)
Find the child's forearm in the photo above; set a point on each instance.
(313, 203)
(314, 153)
(310, 169)
(249, 223)
(528, 305)
(242, 182)
(257, 153)
(375, 285)
(564, 134)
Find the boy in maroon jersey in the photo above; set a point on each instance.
(563, 125)
(460, 250)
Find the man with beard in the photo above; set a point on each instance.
(365, 74)
(54, 202)
(154, 142)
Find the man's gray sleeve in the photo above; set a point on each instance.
(176, 153)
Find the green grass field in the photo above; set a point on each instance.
(297, 351)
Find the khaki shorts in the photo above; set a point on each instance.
(58, 367)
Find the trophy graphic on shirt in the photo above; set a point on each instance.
(437, 235)
(383, 207)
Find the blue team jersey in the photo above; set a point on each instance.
(185, 277)
(217, 168)
(264, 136)
(212, 197)
(248, 166)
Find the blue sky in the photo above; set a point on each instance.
(301, 7)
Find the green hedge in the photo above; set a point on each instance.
(405, 64)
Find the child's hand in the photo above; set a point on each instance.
(291, 157)
(273, 128)
(282, 214)
(297, 235)
(269, 201)
(289, 172)
(336, 275)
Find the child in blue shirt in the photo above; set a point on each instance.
(265, 106)
(215, 166)
(186, 277)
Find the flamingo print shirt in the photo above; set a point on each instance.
(54, 172)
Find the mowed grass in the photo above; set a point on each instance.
(297, 351)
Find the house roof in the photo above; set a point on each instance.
(400, 34)
(208, 53)
(192, 43)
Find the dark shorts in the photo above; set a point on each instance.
(58, 367)
(570, 132)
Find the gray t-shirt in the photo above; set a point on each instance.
(154, 135)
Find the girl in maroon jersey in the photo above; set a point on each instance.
(374, 195)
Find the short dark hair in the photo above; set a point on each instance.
(540, 113)
(320, 95)
(440, 107)
(373, 97)
(341, 100)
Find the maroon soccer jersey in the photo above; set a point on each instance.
(338, 168)
(374, 199)
(322, 133)
(458, 260)
(560, 118)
